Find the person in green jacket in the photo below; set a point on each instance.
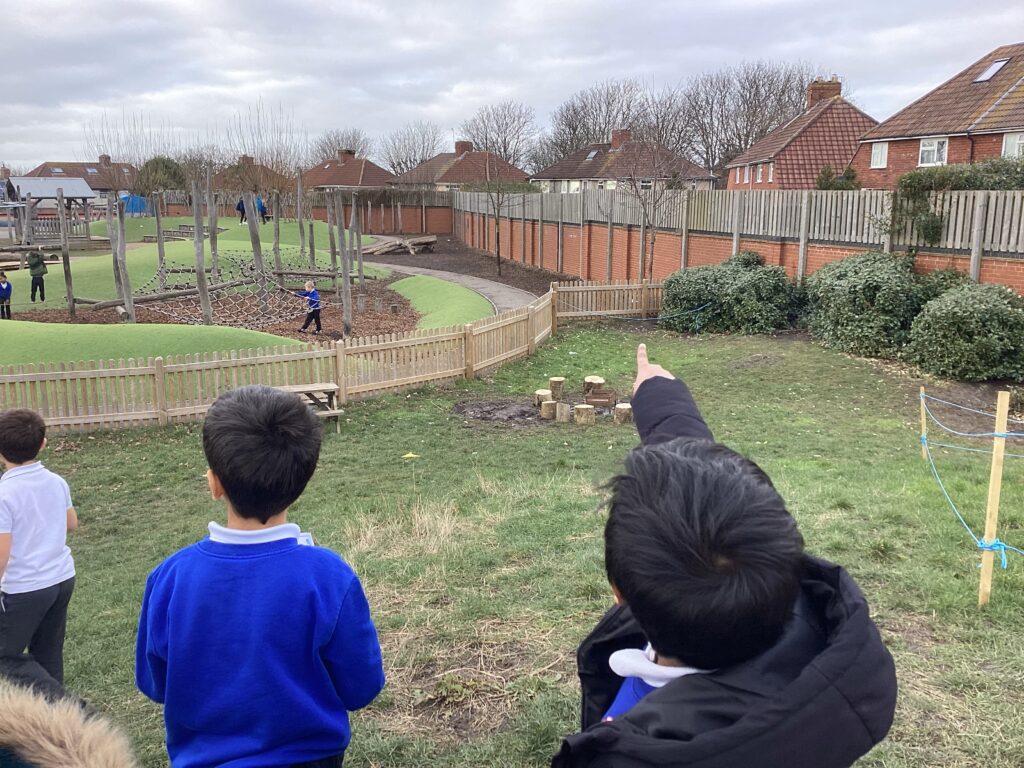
(37, 268)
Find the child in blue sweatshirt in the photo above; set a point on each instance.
(257, 645)
(6, 290)
(312, 296)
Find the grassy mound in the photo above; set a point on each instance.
(442, 303)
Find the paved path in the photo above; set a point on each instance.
(503, 297)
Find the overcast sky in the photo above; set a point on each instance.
(377, 64)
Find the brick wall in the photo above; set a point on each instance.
(904, 155)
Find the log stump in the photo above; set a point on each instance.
(540, 395)
(585, 414)
(592, 382)
(547, 410)
(623, 413)
(562, 412)
(556, 385)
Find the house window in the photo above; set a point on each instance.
(760, 172)
(933, 152)
(990, 71)
(57, 170)
(91, 170)
(1013, 145)
(645, 184)
(880, 154)
(574, 186)
(771, 171)
(737, 174)
(746, 174)
(611, 184)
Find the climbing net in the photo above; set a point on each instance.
(928, 404)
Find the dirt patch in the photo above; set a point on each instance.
(508, 412)
(755, 361)
(451, 255)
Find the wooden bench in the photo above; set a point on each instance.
(322, 398)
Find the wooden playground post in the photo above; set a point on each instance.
(346, 280)
(112, 237)
(312, 246)
(252, 219)
(88, 221)
(924, 428)
(65, 255)
(211, 218)
(355, 237)
(197, 241)
(277, 238)
(995, 486)
(332, 241)
(298, 216)
(122, 264)
(161, 259)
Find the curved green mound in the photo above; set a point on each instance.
(26, 342)
(442, 303)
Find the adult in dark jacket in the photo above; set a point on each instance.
(821, 696)
(37, 268)
(240, 207)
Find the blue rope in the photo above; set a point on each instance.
(967, 408)
(966, 434)
(975, 450)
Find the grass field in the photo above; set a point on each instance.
(28, 342)
(483, 558)
(136, 228)
(442, 303)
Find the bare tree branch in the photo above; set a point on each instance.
(410, 145)
(325, 146)
(507, 129)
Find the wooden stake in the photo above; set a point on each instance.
(547, 410)
(554, 308)
(592, 382)
(277, 237)
(332, 241)
(112, 237)
(556, 385)
(585, 414)
(161, 255)
(252, 217)
(122, 263)
(298, 215)
(211, 220)
(197, 242)
(356, 241)
(623, 413)
(312, 245)
(563, 411)
(995, 485)
(65, 256)
(346, 269)
(924, 428)
(542, 395)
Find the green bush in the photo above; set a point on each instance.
(863, 304)
(974, 332)
(739, 296)
(931, 285)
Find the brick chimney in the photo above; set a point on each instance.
(621, 136)
(105, 161)
(462, 147)
(5, 173)
(346, 154)
(823, 89)
(246, 160)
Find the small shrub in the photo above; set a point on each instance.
(931, 285)
(974, 332)
(863, 304)
(739, 296)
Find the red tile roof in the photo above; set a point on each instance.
(462, 168)
(961, 106)
(246, 175)
(347, 171)
(633, 158)
(99, 176)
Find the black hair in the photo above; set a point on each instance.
(263, 445)
(701, 547)
(21, 435)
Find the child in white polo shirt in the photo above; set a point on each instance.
(37, 574)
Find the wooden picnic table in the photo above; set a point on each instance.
(322, 398)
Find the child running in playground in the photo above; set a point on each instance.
(6, 291)
(257, 645)
(728, 644)
(37, 573)
(313, 297)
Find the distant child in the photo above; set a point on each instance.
(729, 645)
(257, 645)
(37, 268)
(6, 290)
(240, 207)
(261, 208)
(313, 297)
(38, 573)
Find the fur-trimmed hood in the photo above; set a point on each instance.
(47, 734)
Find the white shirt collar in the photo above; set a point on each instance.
(23, 469)
(633, 662)
(224, 535)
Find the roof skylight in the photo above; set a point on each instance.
(991, 70)
(592, 155)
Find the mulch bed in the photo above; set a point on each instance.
(451, 255)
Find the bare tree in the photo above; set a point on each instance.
(410, 145)
(589, 116)
(508, 129)
(325, 146)
(271, 137)
(195, 158)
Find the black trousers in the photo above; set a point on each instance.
(312, 315)
(37, 282)
(5, 309)
(325, 762)
(241, 217)
(32, 626)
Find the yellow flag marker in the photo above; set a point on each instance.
(411, 456)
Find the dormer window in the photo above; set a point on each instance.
(592, 155)
(991, 70)
(57, 170)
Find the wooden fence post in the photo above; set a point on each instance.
(684, 231)
(340, 376)
(468, 344)
(995, 484)
(805, 222)
(583, 224)
(924, 428)
(643, 298)
(65, 255)
(978, 233)
(531, 340)
(554, 308)
(887, 209)
(522, 240)
(160, 391)
(540, 232)
(423, 212)
(559, 254)
(611, 233)
(737, 212)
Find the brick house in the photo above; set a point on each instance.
(346, 172)
(452, 170)
(976, 115)
(102, 176)
(604, 166)
(792, 156)
(249, 176)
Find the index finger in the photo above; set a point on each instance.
(641, 356)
